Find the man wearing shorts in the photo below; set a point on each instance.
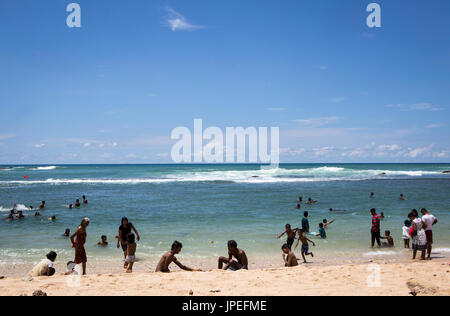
(429, 221)
(375, 230)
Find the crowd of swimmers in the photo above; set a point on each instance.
(417, 229)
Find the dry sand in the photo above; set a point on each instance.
(400, 279)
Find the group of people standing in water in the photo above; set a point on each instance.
(416, 228)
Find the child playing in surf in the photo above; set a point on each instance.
(169, 257)
(289, 258)
(103, 242)
(405, 233)
(241, 261)
(290, 235)
(131, 253)
(390, 240)
(305, 245)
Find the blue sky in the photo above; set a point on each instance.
(113, 90)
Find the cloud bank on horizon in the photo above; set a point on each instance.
(338, 90)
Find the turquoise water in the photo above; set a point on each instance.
(204, 206)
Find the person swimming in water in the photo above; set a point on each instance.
(42, 206)
(402, 197)
(85, 201)
(77, 204)
(67, 233)
(326, 223)
(311, 201)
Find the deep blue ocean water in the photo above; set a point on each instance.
(203, 206)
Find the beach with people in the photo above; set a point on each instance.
(147, 219)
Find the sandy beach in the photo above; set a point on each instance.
(398, 279)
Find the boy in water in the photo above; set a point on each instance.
(77, 204)
(241, 261)
(85, 201)
(169, 257)
(290, 235)
(390, 240)
(326, 223)
(42, 206)
(103, 242)
(405, 233)
(67, 233)
(311, 201)
(20, 215)
(322, 232)
(305, 245)
(131, 253)
(289, 257)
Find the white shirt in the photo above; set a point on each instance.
(406, 233)
(428, 220)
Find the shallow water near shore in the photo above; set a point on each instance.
(204, 206)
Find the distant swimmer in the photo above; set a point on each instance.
(85, 201)
(241, 261)
(77, 204)
(42, 206)
(322, 233)
(37, 214)
(67, 233)
(372, 195)
(326, 223)
(169, 257)
(53, 218)
(300, 200)
(298, 206)
(103, 242)
(311, 201)
(382, 215)
(402, 197)
(338, 211)
(70, 206)
(20, 215)
(10, 217)
(289, 258)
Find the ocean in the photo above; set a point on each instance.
(204, 206)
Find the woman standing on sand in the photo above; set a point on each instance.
(78, 243)
(124, 230)
(419, 242)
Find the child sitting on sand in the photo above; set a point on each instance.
(291, 259)
(131, 253)
(305, 245)
(45, 267)
(405, 233)
(169, 257)
(390, 240)
(290, 235)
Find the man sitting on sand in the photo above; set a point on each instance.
(291, 259)
(169, 257)
(233, 265)
(45, 267)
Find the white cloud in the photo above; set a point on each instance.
(178, 22)
(318, 120)
(441, 154)
(39, 146)
(415, 107)
(414, 153)
(435, 125)
(354, 153)
(86, 145)
(114, 144)
(7, 136)
(131, 156)
(337, 99)
(389, 147)
(276, 109)
(323, 151)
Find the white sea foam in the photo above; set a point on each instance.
(379, 253)
(441, 250)
(45, 168)
(277, 175)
